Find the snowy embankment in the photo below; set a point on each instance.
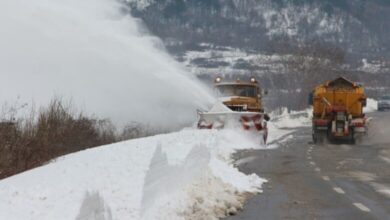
(292, 119)
(183, 175)
(372, 106)
(283, 123)
(162, 177)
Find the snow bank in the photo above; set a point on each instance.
(285, 119)
(283, 123)
(183, 175)
(372, 106)
(173, 176)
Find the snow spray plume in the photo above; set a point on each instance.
(88, 51)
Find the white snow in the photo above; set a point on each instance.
(227, 98)
(283, 124)
(372, 106)
(263, 63)
(182, 175)
(287, 20)
(293, 119)
(219, 107)
(370, 67)
(91, 52)
(159, 177)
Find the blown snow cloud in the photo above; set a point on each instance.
(93, 53)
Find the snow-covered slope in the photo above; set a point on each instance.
(356, 26)
(372, 106)
(163, 177)
(182, 175)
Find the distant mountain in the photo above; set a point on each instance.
(290, 45)
(359, 27)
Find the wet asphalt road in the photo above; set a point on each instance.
(330, 181)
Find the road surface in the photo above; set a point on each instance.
(307, 181)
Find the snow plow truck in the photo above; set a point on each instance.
(239, 103)
(338, 111)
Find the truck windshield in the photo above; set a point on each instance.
(236, 90)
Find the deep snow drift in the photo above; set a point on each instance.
(92, 53)
(182, 175)
(162, 177)
(372, 106)
(285, 119)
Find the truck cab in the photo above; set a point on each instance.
(240, 96)
(239, 104)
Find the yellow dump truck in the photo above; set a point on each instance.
(338, 111)
(239, 102)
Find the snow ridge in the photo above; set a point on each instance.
(182, 175)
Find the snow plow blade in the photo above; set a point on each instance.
(239, 104)
(251, 121)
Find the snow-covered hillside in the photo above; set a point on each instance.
(358, 26)
(372, 105)
(183, 175)
(162, 177)
(217, 60)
